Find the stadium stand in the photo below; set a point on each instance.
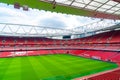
(113, 75)
(107, 75)
(103, 46)
(116, 58)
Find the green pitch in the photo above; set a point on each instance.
(50, 67)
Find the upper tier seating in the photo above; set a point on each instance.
(107, 37)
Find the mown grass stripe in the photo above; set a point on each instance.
(14, 68)
(4, 67)
(27, 71)
(51, 66)
(40, 70)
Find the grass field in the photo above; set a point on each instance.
(50, 67)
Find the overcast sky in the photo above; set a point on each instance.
(41, 18)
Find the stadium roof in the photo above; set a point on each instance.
(96, 8)
(106, 6)
(92, 8)
(8, 29)
(18, 29)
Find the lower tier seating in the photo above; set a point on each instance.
(116, 58)
(114, 75)
(100, 55)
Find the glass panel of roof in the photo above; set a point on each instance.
(87, 1)
(101, 9)
(101, 1)
(67, 2)
(81, 1)
(118, 5)
(91, 7)
(112, 3)
(110, 11)
(115, 8)
(117, 12)
(106, 6)
(95, 4)
(78, 4)
(61, 1)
